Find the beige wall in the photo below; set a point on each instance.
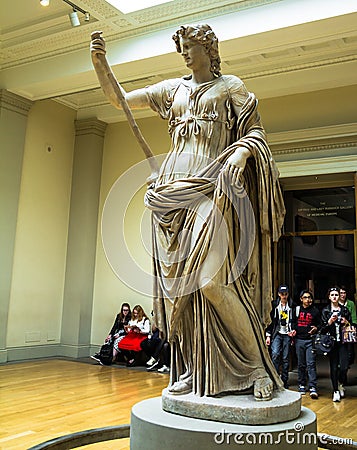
(309, 110)
(121, 152)
(41, 234)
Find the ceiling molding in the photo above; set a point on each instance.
(318, 166)
(55, 36)
(311, 142)
(303, 47)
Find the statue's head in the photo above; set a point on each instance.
(203, 35)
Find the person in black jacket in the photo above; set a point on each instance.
(280, 332)
(333, 317)
(306, 326)
(117, 331)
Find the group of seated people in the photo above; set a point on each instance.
(133, 339)
(295, 326)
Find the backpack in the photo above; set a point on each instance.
(106, 353)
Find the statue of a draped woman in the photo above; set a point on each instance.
(216, 209)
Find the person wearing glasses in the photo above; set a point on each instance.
(138, 329)
(333, 316)
(280, 332)
(117, 331)
(306, 326)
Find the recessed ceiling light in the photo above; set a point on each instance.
(126, 6)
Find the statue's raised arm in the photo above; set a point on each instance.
(110, 85)
(118, 97)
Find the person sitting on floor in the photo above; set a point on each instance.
(165, 357)
(137, 330)
(117, 331)
(158, 350)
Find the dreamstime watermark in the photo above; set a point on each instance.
(126, 248)
(288, 437)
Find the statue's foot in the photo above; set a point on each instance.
(263, 389)
(181, 387)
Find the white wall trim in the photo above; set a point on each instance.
(318, 166)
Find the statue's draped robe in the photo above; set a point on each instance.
(216, 339)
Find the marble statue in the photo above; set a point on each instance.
(216, 209)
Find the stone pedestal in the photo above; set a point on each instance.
(152, 428)
(242, 409)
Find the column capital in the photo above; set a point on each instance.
(90, 126)
(14, 102)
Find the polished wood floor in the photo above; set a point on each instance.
(44, 399)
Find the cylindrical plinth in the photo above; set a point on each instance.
(152, 429)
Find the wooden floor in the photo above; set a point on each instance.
(44, 399)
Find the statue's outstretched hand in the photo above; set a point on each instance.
(235, 164)
(97, 45)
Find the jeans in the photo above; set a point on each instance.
(306, 362)
(280, 348)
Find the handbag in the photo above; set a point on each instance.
(324, 343)
(349, 334)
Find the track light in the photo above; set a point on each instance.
(73, 17)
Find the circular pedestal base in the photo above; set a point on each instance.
(152, 429)
(243, 409)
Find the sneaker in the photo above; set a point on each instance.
(153, 366)
(151, 361)
(164, 369)
(313, 393)
(96, 357)
(336, 397)
(341, 390)
(302, 390)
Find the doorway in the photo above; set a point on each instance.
(318, 246)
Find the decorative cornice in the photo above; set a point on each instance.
(90, 126)
(297, 67)
(206, 8)
(314, 148)
(116, 26)
(13, 102)
(320, 139)
(318, 166)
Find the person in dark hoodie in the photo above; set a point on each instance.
(306, 326)
(280, 332)
(333, 317)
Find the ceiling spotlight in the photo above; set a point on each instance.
(44, 2)
(73, 17)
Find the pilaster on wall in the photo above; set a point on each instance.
(13, 123)
(82, 237)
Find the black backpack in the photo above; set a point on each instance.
(106, 353)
